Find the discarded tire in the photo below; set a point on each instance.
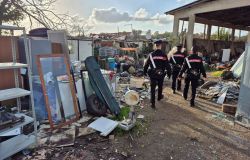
(95, 106)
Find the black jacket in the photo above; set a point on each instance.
(179, 59)
(161, 62)
(196, 64)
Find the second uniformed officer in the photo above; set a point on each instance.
(158, 63)
(193, 66)
(176, 61)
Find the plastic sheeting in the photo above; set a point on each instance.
(237, 67)
(243, 110)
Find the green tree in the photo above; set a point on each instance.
(136, 34)
(156, 35)
(146, 48)
(43, 12)
(222, 35)
(9, 12)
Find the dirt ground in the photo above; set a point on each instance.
(173, 131)
(178, 131)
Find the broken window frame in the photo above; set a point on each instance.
(44, 89)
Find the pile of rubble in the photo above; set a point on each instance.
(227, 91)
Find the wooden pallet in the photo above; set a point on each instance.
(230, 109)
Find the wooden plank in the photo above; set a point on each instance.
(228, 108)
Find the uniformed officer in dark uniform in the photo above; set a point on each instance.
(176, 61)
(159, 67)
(193, 67)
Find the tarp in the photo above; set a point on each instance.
(243, 109)
(237, 67)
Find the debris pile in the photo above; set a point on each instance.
(214, 90)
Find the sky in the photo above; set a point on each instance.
(109, 15)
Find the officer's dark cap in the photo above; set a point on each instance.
(179, 45)
(158, 42)
(195, 49)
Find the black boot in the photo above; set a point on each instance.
(173, 91)
(192, 103)
(160, 98)
(153, 106)
(184, 96)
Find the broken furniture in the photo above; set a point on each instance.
(58, 90)
(21, 141)
(100, 86)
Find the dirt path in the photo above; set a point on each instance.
(174, 131)
(177, 131)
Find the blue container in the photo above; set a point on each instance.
(111, 62)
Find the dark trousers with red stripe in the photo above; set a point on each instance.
(153, 83)
(194, 84)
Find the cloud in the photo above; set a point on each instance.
(141, 14)
(110, 15)
(162, 18)
(113, 15)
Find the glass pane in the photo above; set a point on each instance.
(58, 89)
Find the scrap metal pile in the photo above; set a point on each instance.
(214, 90)
(8, 119)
